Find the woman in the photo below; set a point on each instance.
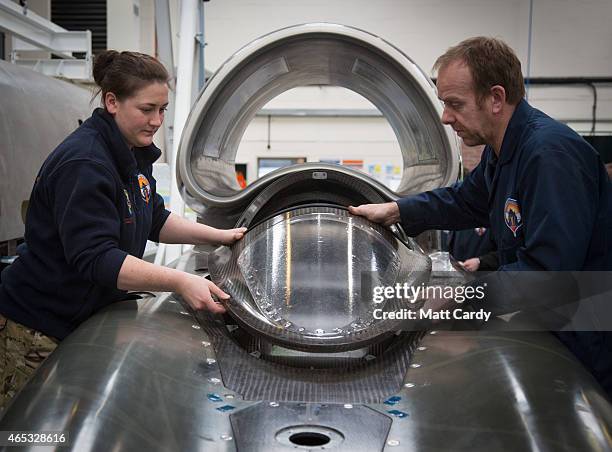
(93, 207)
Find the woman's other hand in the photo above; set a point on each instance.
(198, 293)
(229, 236)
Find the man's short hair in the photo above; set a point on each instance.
(491, 62)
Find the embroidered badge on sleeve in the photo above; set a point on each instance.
(128, 202)
(512, 215)
(145, 188)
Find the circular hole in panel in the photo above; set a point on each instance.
(311, 439)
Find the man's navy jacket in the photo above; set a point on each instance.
(548, 202)
(468, 243)
(94, 202)
(546, 199)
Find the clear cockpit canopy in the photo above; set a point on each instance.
(305, 278)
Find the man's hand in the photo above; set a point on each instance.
(229, 236)
(197, 291)
(471, 265)
(386, 213)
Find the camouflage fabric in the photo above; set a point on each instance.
(22, 350)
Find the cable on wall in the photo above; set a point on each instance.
(269, 130)
(529, 50)
(594, 88)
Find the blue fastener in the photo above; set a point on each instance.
(225, 408)
(393, 400)
(214, 397)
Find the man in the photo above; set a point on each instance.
(539, 187)
(474, 249)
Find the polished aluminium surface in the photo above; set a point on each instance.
(298, 278)
(502, 391)
(320, 54)
(277, 427)
(143, 375)
(136, 376)
(38, 112)
(328, 184)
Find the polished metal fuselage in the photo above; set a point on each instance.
(146, 375)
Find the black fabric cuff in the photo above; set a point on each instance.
(108, 267)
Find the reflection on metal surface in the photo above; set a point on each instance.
(333, 186)
(322, 427)
(297, 282)
(440, 262)
(112, 385)
(38, 112)
(320, 54)
(134, 377)
(298, 278)
(508, 379)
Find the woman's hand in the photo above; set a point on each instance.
(198, 291)
(180, 230)
(229, 236)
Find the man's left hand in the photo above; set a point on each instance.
(471, 265)
(386, 213)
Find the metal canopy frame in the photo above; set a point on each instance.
(190, 62)
(31, 32)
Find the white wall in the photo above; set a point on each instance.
(369, 139)
(131, 26)
(147, 26)
(123, 25)
(569, 39)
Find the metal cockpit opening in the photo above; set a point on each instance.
(298, 279)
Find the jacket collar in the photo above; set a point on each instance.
(514, 131)
(127, 161)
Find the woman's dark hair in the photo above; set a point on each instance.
(124, 73)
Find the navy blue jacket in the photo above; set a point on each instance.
(469, 243)
(94, 202)
(548, 202)
(546, 199)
